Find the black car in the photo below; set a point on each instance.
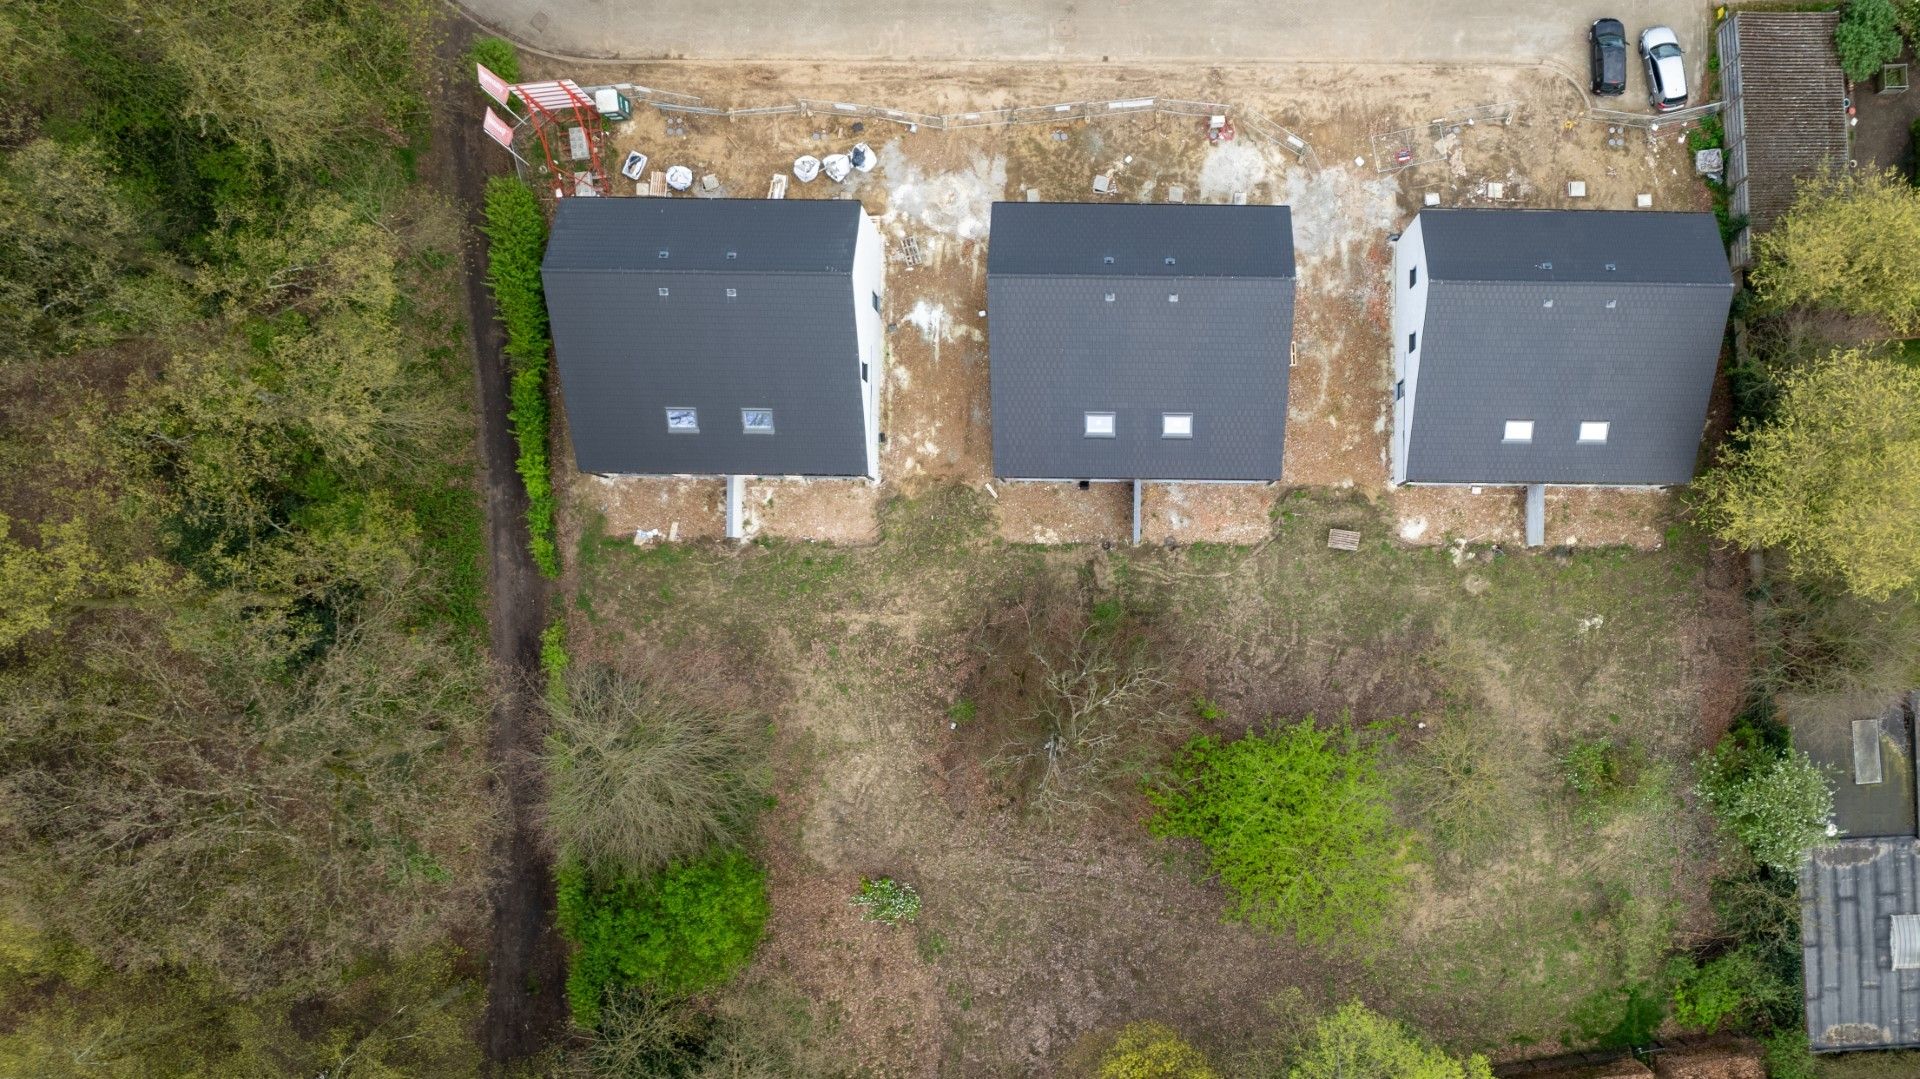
(1607, 43)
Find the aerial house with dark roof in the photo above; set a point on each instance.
(1566, 347)
(1139, 342)
(718, 337)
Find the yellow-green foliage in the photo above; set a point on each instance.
(1851, 243)
(1358, 1043)
(1149, 1050)
(1832, 478)
(1296, 822)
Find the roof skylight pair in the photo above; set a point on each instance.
(1172, 425)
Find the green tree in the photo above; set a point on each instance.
(1832, 478)
(1776, 802)
(1732, 988)
(670, 933)
(1847, 244)
(1297, 823)
(1359, 1043)
(1867, 36)
(1150, 1050)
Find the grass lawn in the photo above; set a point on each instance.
(1541, 906)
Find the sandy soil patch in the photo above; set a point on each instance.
(1063, 513)
(1207, 512)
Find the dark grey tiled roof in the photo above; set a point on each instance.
(1060, 349)
(1849, 892)
(786, 340)
(1642, 246)
(1504, 339)
(1078, 238)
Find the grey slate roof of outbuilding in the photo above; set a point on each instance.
(1560, 317)
(1060, 349)
(786, 340)
(1849, 892)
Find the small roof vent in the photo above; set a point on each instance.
(1548, 303)
(1169, 260)
(1906, 941)
(1109, 297)
(1543, 266)
(1611, 304)
(1611, 267)
(1108, 259)
(663, 252)
(1173, 297)
(733, 254)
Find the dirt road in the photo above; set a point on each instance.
(526, 966)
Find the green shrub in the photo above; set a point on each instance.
(516, 230)
(553, 651)
(1790, 1055)
(498, 54)
(1706, 135)
(672, 933)
(1359, 1043)
(1150, 1050)
(1735, 988)
(887, 900)
(1776, 801)
(1296, 822)
(1868, 36)
(1602, 774)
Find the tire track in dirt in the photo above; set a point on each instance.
(526, 959)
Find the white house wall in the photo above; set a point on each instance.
(1409, 317)
(869, 281)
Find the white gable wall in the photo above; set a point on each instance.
(1409, 317)
(869, 281)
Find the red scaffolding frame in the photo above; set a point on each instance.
(552, 107)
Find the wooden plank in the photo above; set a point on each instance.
(1343, 539)
(1866, 751)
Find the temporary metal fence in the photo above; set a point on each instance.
(1654, 121)
(1247, 120)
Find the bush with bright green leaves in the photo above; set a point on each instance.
(1735, 989)
(516, 230)
(668, 934)
(1359, 1043)
(498, 54)
(1774, 800)
(1867, 37)
(887, 900)
(1296, 822)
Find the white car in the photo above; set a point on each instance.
(1666, 72)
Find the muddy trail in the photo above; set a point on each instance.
(526, 967)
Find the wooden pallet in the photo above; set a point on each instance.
(1342, 539)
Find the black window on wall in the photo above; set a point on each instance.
(876, 301)
(1413, 340)
(1413, 276)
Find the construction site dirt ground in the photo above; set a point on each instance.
(931, 193)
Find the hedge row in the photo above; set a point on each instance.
(516, 230)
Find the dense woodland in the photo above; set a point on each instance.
(243, 812)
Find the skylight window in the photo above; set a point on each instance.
(1518, 431)
(1176, 425)
(1593, 432)
(756, 421)
(1099, 425)
(683, 421)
